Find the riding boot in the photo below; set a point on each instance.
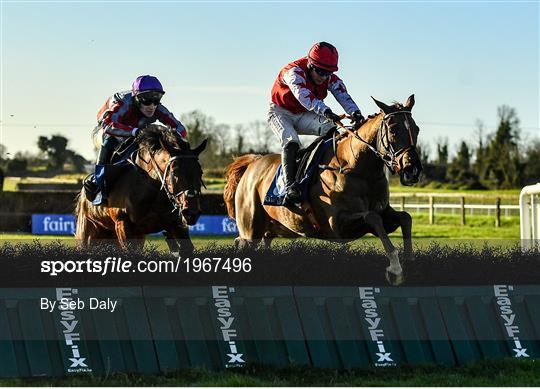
(330, 133)
(293, 194)
(95, 183)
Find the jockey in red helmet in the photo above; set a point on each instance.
(121, 117)
(297, 105)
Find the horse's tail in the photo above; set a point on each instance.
(81, 209)
(233, 174)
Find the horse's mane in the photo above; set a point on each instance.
(154, 135)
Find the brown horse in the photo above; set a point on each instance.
(161, 191)
(350, 197)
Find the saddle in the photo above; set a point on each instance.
(308, 160)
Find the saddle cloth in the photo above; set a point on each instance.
(307, 166)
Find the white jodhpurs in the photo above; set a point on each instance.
(287, 125)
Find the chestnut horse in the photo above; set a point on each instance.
(350, 197)
(160, 191)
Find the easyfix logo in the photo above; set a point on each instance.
(226, 319)
(69, 324)
(508, 317)
(373, 319)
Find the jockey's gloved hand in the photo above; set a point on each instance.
(331, 115)
(135, 131)
(357, 116)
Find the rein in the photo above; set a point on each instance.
(389, 157)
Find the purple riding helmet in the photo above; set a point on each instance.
(146, 83)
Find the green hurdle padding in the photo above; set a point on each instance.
(36, 342)
(122, 340)
(194, 326)
(384, 326)
(483, 325)
(158, 329)
(30, 348)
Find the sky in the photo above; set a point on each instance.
(60, 60)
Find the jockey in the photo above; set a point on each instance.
(297, 106)
(121, 117)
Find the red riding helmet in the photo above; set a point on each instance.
(324, 55)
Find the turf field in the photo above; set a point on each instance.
(511, 372)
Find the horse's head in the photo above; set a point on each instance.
(396, 141)
(179, 170)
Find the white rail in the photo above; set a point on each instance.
(529, 213)
(456, 206)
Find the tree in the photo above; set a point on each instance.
(199, 127)
(17, 164)
(259, 136)
(222, 135)
(423, 150)
(462, 160)
(480, 163)
(56, 149)
(3, 152)
(239, 139)
(505, 168)
(442, 152)
(459, 170)
(78, 161)
(531, 171)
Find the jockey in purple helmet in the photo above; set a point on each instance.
(121, 117)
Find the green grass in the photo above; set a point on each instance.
(509, 372)
(478, 231)
(10, 184)
(490, 193)
(218, 183)
(200, 242)
(477, 227)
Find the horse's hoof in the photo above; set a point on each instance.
(175, 254)
(394, 279)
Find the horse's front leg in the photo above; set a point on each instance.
(404, 220)
(125, 230)
(394, 272)
(178, 240)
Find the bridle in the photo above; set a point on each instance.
(389, 156)
(393, 157)
(189, 193)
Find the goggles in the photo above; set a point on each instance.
(321, 72)
(149, 98)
